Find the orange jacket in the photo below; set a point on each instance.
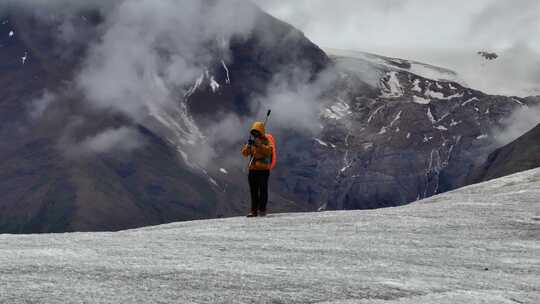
(261, 151)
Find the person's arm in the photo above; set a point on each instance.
(246, 150)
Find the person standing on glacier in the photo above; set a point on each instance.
(261, 150)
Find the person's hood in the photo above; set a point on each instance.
(258, 126)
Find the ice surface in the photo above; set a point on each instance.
(479, 244)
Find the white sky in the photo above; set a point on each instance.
(446, 33)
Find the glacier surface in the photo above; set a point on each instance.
(479, 244)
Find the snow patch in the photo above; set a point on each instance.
(416, 86)
(228, 81)
(223, 170)
(182, 130)
(382, 131)
(213, 181)
(195, 86)
(214, 84)
(391, 88)
(442, 128)
(24, 58)
(469, 101)
(427, 138)
(430, 116)
(439, 95)
(398, 116)
(344, 169)
(433, 94)
(457, 95)
(454, 123)
(421, 100)
(320, 142)
(443, 117)
(11, 33)
(518, 102)
(483, 136)
(338, 110)
(370, 118)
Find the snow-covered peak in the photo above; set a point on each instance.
(396, 64)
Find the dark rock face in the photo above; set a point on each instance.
(411, 138)
(520, 155)
(388, 136)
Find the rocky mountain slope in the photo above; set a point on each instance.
(519, 155)
(391, 136)
(51, 183)
(474, 245)
(98, 132)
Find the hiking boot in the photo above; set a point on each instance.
(262, 213)
(252, 214)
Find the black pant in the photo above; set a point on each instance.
(258, 186)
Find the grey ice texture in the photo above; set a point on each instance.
(479, 244)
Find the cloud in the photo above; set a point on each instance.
(520, 122)
(122, 139)
(503, 24)
(39, 106)
(144, 54)
(143, 57)
(296, 102)
(295, 99)
(444, 33)
(152, 49)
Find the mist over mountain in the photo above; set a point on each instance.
(447, 34)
